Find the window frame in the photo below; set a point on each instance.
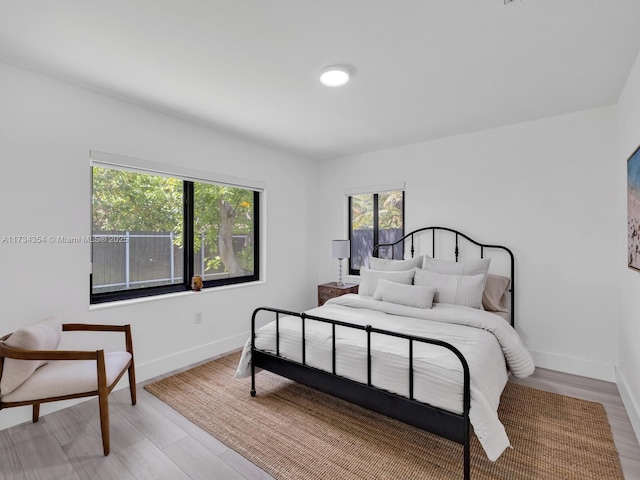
(188, 233)
(376, 219)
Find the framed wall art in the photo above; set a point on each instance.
(633, 209)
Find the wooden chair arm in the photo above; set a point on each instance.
(89, 327)
(21, 354)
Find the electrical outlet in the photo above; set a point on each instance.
(198, 318)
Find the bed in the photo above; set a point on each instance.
(427, 340)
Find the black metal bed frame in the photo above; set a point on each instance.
(456, 253)
(441, 422)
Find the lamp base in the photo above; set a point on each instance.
(340, 282)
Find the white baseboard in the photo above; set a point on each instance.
(144, 371)
(631, 404)
(175, 361)
(574, 366)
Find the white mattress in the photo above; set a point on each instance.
(489, 344)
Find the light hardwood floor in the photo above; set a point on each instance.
(152, 441)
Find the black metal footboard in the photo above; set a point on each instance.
(446, 424)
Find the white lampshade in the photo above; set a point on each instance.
(341, 248)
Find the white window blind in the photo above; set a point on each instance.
(120, 162)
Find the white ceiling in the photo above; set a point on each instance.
(425, 69)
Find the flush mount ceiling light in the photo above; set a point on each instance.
(335, 75)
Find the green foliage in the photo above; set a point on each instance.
(215, 204)
(207, 199)
(127, 201)
(362, 212)
(389, 211)
(136, 202)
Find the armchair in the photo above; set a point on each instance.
(33, 371)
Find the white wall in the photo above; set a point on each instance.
(629, 356)
(547, 190)
(553, 190)
(46, 131)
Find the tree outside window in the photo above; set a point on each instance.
(152, 233)
(374, 218)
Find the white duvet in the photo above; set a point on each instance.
(489, 344)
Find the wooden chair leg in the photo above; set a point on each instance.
(36, 412)
(132, 368)
(103, 401)
(132, 383)
(104, 422)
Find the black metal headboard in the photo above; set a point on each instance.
(410, 237)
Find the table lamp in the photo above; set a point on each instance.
(341, 250)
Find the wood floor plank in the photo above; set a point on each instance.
(10, 468)
(244, 466)
(123, 432)
(147, 462)
(214, 445)
(85, 454)
(41, 456)
(69, 425)
(151, 423)
(197, 461)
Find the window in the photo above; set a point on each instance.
(151, 233)
(374, 218)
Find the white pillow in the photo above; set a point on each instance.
(470, 267)
(369, 279)
(409, 295)
(44, 335)
(389, 265)
(457, 289)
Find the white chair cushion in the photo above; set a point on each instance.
(67, 377)
(44, 335)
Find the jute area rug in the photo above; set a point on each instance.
(294, 432)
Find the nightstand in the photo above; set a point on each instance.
(331, 290)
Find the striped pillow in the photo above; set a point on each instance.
(456, 289)
(469, 267)
(369, 279)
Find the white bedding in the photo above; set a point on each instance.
(489, 344)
